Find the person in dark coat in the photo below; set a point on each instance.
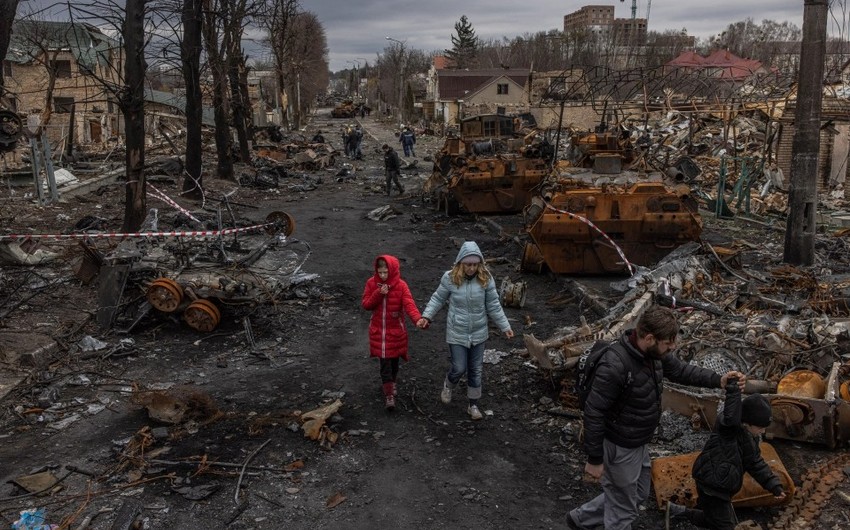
(388, 297)
(392, 166)
(732, 450)
(356, 140)
(622, 411)
(318, 138)
(408, 140)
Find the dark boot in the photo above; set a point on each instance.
(389, 398)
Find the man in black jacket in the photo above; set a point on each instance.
(623, 410)
(732, 450)
(392, 166)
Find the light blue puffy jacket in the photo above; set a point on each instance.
(470, 305)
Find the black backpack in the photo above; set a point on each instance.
(586, 370)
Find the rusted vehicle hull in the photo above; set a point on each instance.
(493, 167)
(672, 480)
(588, 148)
(503, 184)
(646, 222)
(823, 420)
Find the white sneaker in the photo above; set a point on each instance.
(446, 394)
(474, 413)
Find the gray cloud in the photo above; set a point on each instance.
(357, 29)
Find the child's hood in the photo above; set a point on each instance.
(469, 248)
(393, 268)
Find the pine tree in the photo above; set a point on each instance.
(464, 50)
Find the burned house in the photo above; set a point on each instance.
(453, 94)
(58, 70)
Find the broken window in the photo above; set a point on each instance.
(62, 105)
(558, 85)
(502, 88)
(62, 68)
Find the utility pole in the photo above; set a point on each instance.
(800, 230)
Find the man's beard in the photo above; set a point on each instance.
(652, 352)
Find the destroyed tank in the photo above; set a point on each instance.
(346, 109)
(576, 227)
(492, 167)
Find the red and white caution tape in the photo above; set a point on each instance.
(603, 234)
(167, 200)
(123, 235)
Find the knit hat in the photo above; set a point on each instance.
(755, 410)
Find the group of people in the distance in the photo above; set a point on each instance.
(620, 417)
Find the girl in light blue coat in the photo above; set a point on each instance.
(469, 290)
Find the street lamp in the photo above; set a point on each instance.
(400, 78)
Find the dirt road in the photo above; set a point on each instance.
(426, 465)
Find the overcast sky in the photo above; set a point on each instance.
(357, 28)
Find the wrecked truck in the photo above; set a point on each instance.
(491, 167)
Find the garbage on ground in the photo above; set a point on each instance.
(33, 519)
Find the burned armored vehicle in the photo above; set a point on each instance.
(493, 166)
(199, 274)
(345, 109)
(583, 224)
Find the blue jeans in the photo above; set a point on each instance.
(408, 150)
(469, 361)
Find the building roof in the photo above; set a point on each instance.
(89, 45)
(725, 63)
(441, 62)
(457, 84)
(178, 103)
(688, 59)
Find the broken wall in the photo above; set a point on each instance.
(582, 117)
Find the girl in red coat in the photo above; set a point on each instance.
(388, 298)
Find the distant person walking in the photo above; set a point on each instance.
(356, 140)
(392, 166)
(469, 291)
(408, 140)
(388, 297)
(346, 140)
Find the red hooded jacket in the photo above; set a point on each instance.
(387, 330)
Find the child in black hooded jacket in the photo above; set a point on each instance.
(732, 450)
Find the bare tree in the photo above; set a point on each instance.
(132, 102)
(8, 9)
(215, 43)
(190, 51)
(42, 47)
(299, 47)
(235, 15)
